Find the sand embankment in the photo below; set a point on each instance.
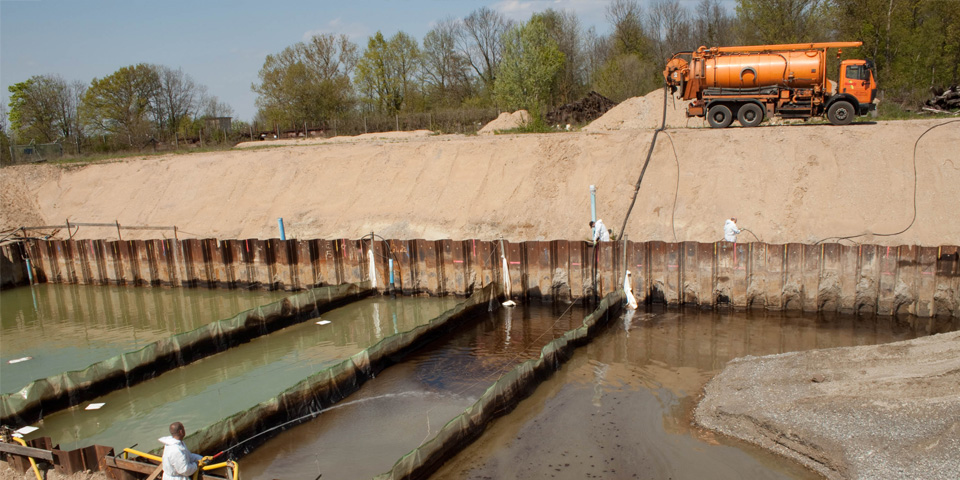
(794, 183)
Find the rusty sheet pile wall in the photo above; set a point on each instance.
(924, 281)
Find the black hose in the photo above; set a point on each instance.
(912, 220)
(653, 143)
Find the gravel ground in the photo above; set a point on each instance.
(880, 412)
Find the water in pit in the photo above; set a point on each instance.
(409, 402)
(48, 329)
(622, 406)
(218, 386)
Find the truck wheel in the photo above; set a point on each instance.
(840, 113)
(719, 116)
(750, 115)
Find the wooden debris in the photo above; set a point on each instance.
(946, 101)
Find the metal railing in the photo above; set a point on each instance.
(73, 227)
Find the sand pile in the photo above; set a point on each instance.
(785, 183)
(645, 112)
(506, 121)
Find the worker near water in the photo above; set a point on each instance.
(600, 232)
(178, 463)
(730, 230)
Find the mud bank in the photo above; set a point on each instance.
(880, 412)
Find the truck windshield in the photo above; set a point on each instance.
(857, 72)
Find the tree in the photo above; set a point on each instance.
(782, 21)
(564, 29)
(42, 108)
(177, 98)
(670, 29)
(445, 70)
(386, 71)
(481, 42)
(307, 81)
(626, 76)
(628, 70)
(713, 26)
(212, 107)
(915, 44)
(121, 104)
(5, 158)
(628, 36)
(531, 62)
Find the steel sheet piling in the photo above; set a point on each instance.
(868, 284)
(809, 277)
(867, 279)
(887, 281)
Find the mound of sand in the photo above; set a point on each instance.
(506, 121)
(644, 113)
(785, 183)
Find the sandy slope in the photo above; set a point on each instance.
(796, 183)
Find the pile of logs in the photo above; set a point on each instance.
(946, 101)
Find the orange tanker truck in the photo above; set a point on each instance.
(789, 81)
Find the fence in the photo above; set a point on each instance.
(74, 227)
(35, 153)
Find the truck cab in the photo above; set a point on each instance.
(857, 80)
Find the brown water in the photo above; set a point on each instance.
(218, 386)
(409, 402)
(622, 406)
(69, 327)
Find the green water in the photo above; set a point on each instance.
(218, 386)
(69, 327)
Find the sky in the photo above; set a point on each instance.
(221, 44)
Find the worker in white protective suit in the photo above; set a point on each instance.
(730, 230)
(600, 232)
(178, 463)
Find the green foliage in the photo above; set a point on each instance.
(531, 62)
(625, 76)
(782, 21)
(307, 81)
(120, 104)
(564, 29)
(41, 109)
(386, 71)
(915, 43)
(628, 36)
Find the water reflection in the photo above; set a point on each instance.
(69, 327)
(215, 387)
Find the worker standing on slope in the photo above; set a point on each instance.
(600, 233)
(730, 230)
(178, 463)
